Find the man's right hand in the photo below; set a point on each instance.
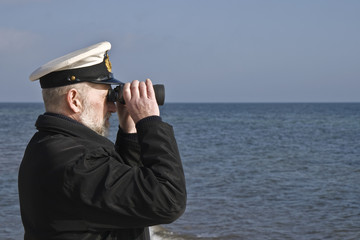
(140, 100)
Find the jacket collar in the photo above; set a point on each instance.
(58, 123)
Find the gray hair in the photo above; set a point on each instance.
(54, 98)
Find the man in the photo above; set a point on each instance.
(76, 184)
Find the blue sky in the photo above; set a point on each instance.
(202, 50)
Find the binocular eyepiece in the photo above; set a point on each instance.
(116, 94)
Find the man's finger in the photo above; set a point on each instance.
(126, 92)
(142, 90)
(150, 88)
(134, 87)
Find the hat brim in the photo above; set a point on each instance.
(109, 81)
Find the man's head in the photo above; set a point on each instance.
(76, 85)
(83, 102)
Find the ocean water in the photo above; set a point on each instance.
(253, 171)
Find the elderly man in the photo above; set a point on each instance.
(76, 184)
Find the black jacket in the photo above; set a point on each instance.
(75, 184)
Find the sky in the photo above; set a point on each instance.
(201, 50)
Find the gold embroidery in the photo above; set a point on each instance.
(107, 62)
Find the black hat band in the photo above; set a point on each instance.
(95, 73)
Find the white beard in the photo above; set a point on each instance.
(89, 117)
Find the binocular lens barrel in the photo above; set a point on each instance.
(116, 94)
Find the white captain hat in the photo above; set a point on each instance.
(90, 64)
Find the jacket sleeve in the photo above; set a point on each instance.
(127, 144)
(128, 148)
(110, 193)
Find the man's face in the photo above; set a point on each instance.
(96, 109)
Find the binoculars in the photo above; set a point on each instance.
(116, 94)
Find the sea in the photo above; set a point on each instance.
(254, 171)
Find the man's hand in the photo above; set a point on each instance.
(140, 100)
(126, 122)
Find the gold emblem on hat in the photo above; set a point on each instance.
(107, 62)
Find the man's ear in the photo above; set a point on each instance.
(73, 100)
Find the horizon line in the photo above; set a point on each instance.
(220, 102)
